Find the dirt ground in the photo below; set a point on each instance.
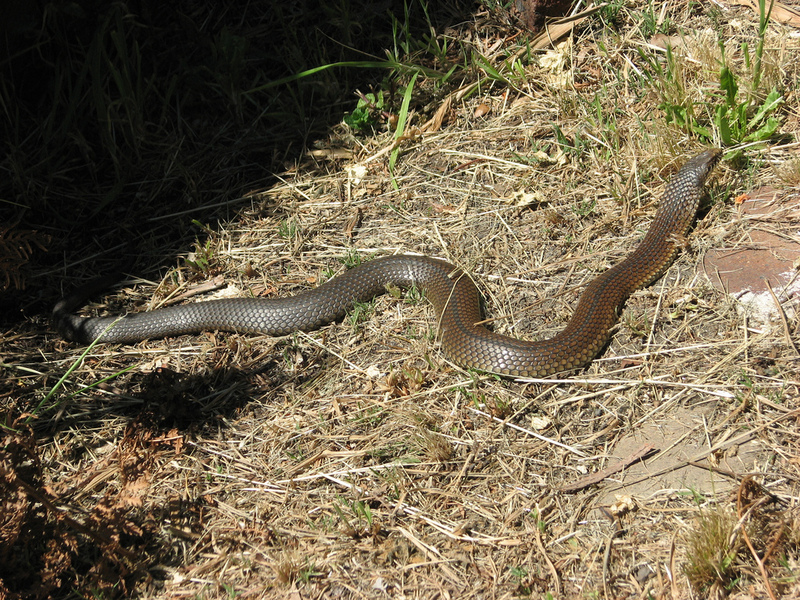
(358, 462)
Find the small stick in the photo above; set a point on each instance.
(594, 478)
(786, 332)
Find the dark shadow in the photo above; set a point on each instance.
(129, 124)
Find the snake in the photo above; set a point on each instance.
(454, 295)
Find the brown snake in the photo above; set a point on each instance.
(453, 295)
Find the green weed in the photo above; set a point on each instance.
(731, 116)
(414, 296)
(361, 524)
(365, 117)
(574, 147)
(352, 258)
(359, 313)
(308, 572)
(585, 208)
(740, 121)
(764, 14)
(680, 110)
(521, 576)
(287, 229)
(609, 14)
(203, 257)
(651, 22)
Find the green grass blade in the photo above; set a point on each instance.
(401, 126)
(353, 64)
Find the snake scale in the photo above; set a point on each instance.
(453, 295)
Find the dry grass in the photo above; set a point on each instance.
(357, 462)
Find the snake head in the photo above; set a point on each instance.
(701, 165)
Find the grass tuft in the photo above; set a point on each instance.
(711, 551)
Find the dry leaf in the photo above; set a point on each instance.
(788, 15)
(332, 153)
(622, 506)
(663, 41)
(540, 423)
(355, 174)
(438, 119)
(482, 110)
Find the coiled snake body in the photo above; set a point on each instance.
(453, 295)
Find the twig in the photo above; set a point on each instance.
(714, 469)
(607, 560)
(588, 480)
(530, 433)
(749, 511)
(550, 565)
(673, 583)
(781, 314)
